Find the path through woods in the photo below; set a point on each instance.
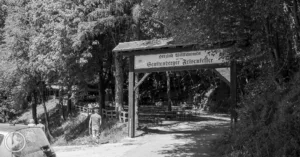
(171, 139)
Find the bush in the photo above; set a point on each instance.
(269, 122)
(77, 132)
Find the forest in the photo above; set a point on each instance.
(69, 43)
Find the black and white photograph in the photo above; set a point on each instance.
(149, 78)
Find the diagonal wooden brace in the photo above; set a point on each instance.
(141, 81)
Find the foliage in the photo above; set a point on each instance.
(9, 89)
(266, 37)
(67, 43)
(70, 43)
(112, 131)
(263, 32)
(54, 41)
(184, 85)
(3, 14)
(268, 125)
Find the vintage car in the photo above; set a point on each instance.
(24, 141)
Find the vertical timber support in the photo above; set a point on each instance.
(233, 92)
(131, 107)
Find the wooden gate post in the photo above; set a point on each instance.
(131, 107)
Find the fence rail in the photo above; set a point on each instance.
(153, 113)
(123, 117)
(83, 109)
(108, 113)
(145, 113)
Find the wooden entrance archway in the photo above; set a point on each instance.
(160, 55)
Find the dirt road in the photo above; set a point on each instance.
(171, 139)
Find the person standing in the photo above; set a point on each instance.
(41, 125)
(159, 103)
(31, 122)
(95, 123)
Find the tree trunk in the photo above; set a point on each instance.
(61, 103)
(295, 13)
(46, 115)
(102, 93)
(119, 82)
(169, 91)
(297, 26)
(33, 106)
(101, 87)
(136, 101)
(101, 90)
(69, 102)
(113, 93)
(24, 103)
(137, 90)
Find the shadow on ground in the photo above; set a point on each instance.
(173, 122)
(199, 141)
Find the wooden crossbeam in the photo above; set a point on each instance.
(141, 81)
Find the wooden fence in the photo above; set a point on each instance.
(153, 113)
(146, 113)
(123, 117)
(107, 113)
(83, 109)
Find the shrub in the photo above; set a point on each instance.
(269, 122)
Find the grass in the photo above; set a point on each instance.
(24, 118)
(74, 131)
(111, 131)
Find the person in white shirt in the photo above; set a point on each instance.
(31, 122)
(95, 123)
(41, 125)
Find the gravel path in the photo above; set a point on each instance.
(171, 139)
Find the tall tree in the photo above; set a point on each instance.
(105, 26)
(169, 90)
(258, 29)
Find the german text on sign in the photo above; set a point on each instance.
(179, 59)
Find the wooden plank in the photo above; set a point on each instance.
(192, 67)
(131, 121)
(144, 44)
(124, 116)
(141, 81)
(178, 59)
(169, 50)
(160, 51)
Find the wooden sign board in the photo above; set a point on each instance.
(180, 59)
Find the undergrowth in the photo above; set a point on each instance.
(74, 131)
(111, 131)
(269, 123)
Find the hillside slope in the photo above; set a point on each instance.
(74, 130)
